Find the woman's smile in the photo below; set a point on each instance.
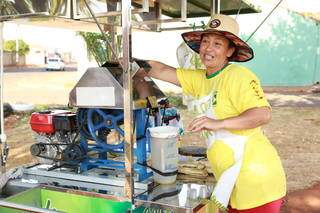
(208, 57)
(214, 52)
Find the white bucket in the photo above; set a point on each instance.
(164, 152)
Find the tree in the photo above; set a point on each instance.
(10, 46)
(7, 8)
(97, 46)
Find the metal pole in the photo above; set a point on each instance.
(1, 77)
(157, 6)
(145, 6)
(17, 46)
(263, 21)
(3, 137)
(127, 96)
(218, 9)
(102, 32)
(215, 7)
(183, 10)
(113, 34)
(212, 7)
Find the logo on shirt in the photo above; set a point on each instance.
(203, 107)
(214, 98)
(256, 88)
(203, 104)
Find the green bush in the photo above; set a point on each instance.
(97, 46)
(10, 46)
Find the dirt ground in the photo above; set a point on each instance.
(294, 130)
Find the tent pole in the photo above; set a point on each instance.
(3, 137)
(214, 7)
(127, 98)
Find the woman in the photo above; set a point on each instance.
(232, 107)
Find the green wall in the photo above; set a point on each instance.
(289, 55)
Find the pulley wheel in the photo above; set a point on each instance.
(72, 153)
(37, 149)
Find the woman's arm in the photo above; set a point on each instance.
(249, 119)
(163, 72)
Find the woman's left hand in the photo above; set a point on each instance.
(205, 123)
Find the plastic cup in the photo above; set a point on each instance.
(203, 192)
(193, 194)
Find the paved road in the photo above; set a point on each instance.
(32, 86)
(38, 86)
(68, 68)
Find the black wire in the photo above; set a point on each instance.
(166, 194)
(175, 172)
(264, 20)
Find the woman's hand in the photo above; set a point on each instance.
(252, 118)
(205, 123)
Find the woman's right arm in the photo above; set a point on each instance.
(163, 72)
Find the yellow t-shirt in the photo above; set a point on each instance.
(232, 91)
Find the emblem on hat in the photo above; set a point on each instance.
(215, 23)
(227, 27)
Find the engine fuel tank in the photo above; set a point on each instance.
(42, 122)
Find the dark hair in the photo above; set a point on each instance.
(232, 45)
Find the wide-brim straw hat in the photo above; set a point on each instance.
(225, 26)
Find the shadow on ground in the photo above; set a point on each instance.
(303, 201)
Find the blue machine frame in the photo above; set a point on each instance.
(95, 121)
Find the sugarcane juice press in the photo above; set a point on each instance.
(92, 138)
(84, 150)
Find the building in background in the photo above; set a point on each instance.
(44, 42)
(286, 49)
(286, 46)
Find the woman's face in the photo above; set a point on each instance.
(214, 51)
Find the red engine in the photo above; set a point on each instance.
(56, 134)
(47, 121)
